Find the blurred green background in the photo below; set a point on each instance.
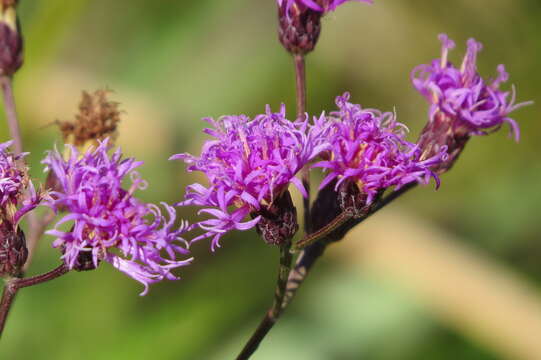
(173, 62)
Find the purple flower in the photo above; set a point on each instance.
(475, 106)
(13, 183)
(248, 164)
(322, 6)
(17, 197)
(368, 148)
(106, 222)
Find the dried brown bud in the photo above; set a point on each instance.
(299, 28)
(279, 221)
(97, 119)
(442, 131)
(11, 41)
(13, 251)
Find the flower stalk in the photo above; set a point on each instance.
(11, 113)
(13, 285)
(277, 308)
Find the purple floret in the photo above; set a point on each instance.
(248, 165)
(476, 106)
(323, 6)
(106, 222)
(13, 183)
(368, 148)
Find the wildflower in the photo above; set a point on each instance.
(14, 182)
(11, 41)
(249, 166)
(462, 103)
(368, 154)
(106, 222)
(300, 22)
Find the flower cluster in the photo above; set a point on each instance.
(473, 105)
(368, 148)
(249, 164)
(106, 222)
(322, 6)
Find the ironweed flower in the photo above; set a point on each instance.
(300, 22)
(14, 182)
(249, 166)
(11, 41)
(369, 152)
(462, 103)
(106, 222)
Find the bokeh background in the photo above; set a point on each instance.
(447, 274)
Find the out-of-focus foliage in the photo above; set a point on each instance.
(172, 62)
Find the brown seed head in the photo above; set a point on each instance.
(97, 119)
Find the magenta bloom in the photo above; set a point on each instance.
(248, 164)
(322, 6)
(368, 148)
(476, 106)
(13, 182)
(106, 222)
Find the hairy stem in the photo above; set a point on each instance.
(275, 311)
(309, 255)
(11, 113)
(323, 232)
(8, 295)
(13, 285)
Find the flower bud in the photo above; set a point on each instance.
(299, 27)
(11, 41)
(13, 251)
(278, 222)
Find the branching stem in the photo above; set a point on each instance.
(13, 285)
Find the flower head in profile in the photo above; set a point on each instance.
(17, 198)
(368, 149)
(474, 106)
(105, 222)
(248, 165)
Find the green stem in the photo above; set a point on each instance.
(13, 285)
(276, 310)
